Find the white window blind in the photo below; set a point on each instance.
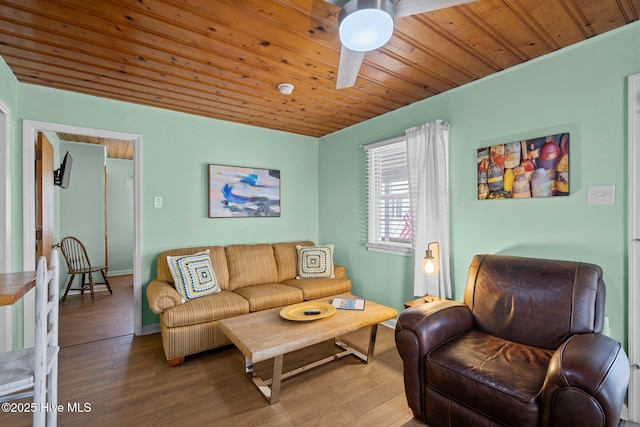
(389, 207)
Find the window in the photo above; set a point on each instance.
(389, 207)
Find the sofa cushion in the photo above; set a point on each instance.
(193, 275)
(286, 256)
(216, 254)
(216, 306)
(262, 297)
(320, 288)
(471, 368)
(251, 265)
(315, 262)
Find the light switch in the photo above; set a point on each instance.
(601, 194)
(157, 202)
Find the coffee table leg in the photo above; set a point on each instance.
(349, 350)
(276, 379)
(270, 389)
(271, 393)
(372, 342)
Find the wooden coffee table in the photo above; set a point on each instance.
(265, 335)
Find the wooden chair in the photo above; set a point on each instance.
(34, 371)
(78, 264)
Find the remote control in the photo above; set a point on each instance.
(309, 312)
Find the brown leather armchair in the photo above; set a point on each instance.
(524, 349)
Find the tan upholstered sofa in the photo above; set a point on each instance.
(251, 278)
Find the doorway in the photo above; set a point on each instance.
(96, 204)
(30, 130)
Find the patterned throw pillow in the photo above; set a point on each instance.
(193, 275)
(315, 262)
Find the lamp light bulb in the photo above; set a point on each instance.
(427, 266)
(430, 265)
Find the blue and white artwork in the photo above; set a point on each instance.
(243, 192)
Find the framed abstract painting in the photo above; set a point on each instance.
(236, 192)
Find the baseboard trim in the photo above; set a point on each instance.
(151, 329)
(97, 287)
(391, 324)
(624, 414)
(119, 273)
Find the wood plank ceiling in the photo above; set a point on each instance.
(116, 148)
(225, 58)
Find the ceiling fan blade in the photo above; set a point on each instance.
(349, 66)
(413, 7)
(339, 3)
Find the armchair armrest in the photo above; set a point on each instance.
(419, 330)
(586, 380)
(162, 295)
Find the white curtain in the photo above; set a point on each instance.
(428, 166)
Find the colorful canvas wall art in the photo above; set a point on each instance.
(243, 192)
(536, 167)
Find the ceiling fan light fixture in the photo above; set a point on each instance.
(366, 28)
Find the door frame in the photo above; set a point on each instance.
(5, 189)
(6, 330)
(29, 134)
(634, 246)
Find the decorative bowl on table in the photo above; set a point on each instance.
(306, 311)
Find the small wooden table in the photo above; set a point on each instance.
(14, 285)
(422, 300)
(265, 335)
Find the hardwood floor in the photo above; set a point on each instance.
(109, 316)
(108, 377)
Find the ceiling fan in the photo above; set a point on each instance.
(366, 25)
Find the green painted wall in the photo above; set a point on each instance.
(581, 90)
(120, 215)
(82, 203)
(176, 149)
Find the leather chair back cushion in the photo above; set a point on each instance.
(251, 265)
(533, 301)
(218, 262)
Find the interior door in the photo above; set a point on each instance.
(44, 224)
(44, 197)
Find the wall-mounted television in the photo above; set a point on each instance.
(62, 175)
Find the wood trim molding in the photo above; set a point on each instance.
(6, 330)
(5, 188)
(28, 226)
(634, 247)
(29, 131)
